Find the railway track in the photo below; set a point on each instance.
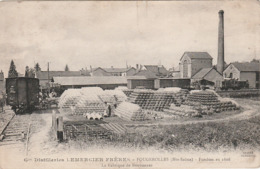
(18, 131)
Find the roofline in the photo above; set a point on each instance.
(98, 68)
(61, 71)
(211, 70)
(182, 56)
(115, 68)
(227, 66)
(153, 65)
(190, 58)
(238, 69)
(248, 71)
(207, 72)
(173, 78)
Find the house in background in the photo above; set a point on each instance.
(193, 62)
(146, 75)
(113, 71)
(45, 76)
(175, 72)
(244, 71)
(158, 70)
(2, 82)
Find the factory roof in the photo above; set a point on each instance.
(203, 72)
(156, 69)
(146, 73)
(197, 55)
(89, 80)
(43, 75)
(247, 66)
(114, 70)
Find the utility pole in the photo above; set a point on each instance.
(48, 78)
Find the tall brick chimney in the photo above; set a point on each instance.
(220, 64)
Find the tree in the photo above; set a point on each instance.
(26, 74)
(67, 68)
(37, 67)
(255, 60)
(12, 70)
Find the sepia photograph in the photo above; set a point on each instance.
(129, 84)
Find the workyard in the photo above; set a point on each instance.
(140, 119)
(164, 119)
(93, 113)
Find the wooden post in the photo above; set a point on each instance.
(54, 124)
(53, 118)
(60, 129)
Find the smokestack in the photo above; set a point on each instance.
(220, 64)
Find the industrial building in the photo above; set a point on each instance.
(157, 70)
(193, 62)
(198, 65)
(46, 77)
(134, 82)
(172, 82)
(244, 71)
(145, 78)
(104, 82)
(209, 74)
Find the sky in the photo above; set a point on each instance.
(113, 33)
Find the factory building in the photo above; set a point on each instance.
(244, 71)
(47, 76)
(157, 70)
(198, 65)
(104, 82)
(145, 78)
(193, 62)
(172, 82)
(140, 82)
(209, 74)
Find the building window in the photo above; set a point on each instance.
(257, 76)
(185, 68)
(231, 75)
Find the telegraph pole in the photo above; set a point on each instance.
(48, 69)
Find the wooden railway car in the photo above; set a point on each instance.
(22, 93)
(234, 84)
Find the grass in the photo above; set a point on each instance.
(206, 136)
(211, 136)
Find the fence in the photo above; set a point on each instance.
(240, 93)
